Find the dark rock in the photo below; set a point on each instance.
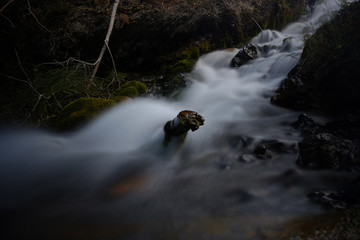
(347, 127)
(327, 76)
(280, 146)
(260, 150)
(328, 199)
(292, 93)
(326, 151)
(186, 120)
(307, 125)
(247, 53)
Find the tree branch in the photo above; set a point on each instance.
(106, 41)
(6, 5)
(37, 20)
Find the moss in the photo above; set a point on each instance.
(141, 87)
(81, 111)
(194, 51)
(129, 89)
(187, 58)
(184, 65)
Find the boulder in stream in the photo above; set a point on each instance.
(247, 53)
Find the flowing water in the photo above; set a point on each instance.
(113, 179)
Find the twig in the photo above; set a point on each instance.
(113, 62)
(67, 62)
(257, 24)
(112, 59)
(28, 82)
(37, 20)
(11, 23)
(22, 69)
(7, 4)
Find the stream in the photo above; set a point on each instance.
(114, 179)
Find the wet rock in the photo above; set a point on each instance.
(328, 199)
(276, 146)
(306, 124)
(247, 53)
(292, 93)
(186, 120)
(282, 147)
(260, 150)
(326, 77)
(326, 151)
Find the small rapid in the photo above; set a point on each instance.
(114, 179)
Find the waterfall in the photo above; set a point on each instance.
(116, 172)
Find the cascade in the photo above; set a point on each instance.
(114, 173)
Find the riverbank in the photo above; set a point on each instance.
(47, 48)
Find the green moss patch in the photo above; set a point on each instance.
(81, 111)
(187, 58)
(130, 89)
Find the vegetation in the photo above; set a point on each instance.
(81, 111)
(49, 50)
(129, 89)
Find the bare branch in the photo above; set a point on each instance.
(257, 24)
(22, 69)
(11, 23)
(106, 41)
(28, 82)
(6, 5)
(37, 20)
(113, 61)
(67, 62)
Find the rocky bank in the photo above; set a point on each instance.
(326, 82)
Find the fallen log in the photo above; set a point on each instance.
(178, 127)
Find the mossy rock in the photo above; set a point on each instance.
(181, 66)
(81, 111)
(120, 99)
(141, 87)
(130, 89)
